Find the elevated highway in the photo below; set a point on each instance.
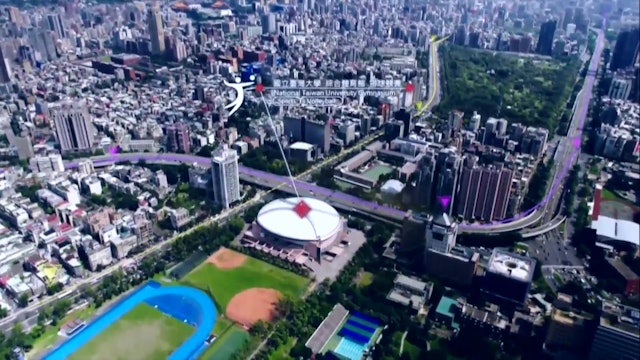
(537, 231)
(268, 180)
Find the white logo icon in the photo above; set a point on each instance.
(239, 87)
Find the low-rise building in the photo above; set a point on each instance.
(410, 292)
(120, 247)
(96, 254)
(179, 218)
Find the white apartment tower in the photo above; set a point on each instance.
(441, 234)
(224, 176)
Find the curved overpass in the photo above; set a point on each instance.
(265, 179)
(533, 232)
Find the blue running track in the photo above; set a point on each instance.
(182, 302)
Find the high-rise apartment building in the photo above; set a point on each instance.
(55, 24)
(545, 40)
(484, 192)
(448, 164)
(156, 30)
(618, 333)
(625, 52)
(73, 127)
(225, 177)
(178, 138)
(5, 67)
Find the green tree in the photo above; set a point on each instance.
(23, 300)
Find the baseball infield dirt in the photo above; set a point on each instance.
(254, 304)
(227, 259)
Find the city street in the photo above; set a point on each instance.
(552, 249)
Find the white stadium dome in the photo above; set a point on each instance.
(279, 218)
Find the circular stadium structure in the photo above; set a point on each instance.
(300, 220)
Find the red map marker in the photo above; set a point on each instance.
(259, 88)
(302, 209)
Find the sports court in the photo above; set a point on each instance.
(376, 170)
(179, 304)
(346, 334)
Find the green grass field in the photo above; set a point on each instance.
(225, 284)
(375, 171)
(144, 331)
(226, 344)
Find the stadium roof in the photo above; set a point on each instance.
(279, 218)
(616, 229)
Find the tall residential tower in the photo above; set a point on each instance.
(73, 127)
(224, 176)
(156, 30)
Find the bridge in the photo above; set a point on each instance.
(537, 231)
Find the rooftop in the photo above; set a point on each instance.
(616, 229)
(279, 217)
(511, 265)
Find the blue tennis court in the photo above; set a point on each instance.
(361, 326)
(364, 318)
(350, 349)
(354, 336)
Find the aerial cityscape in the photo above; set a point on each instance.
(319, 179)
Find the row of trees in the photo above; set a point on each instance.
(570, 190)
(273, 260)
(268, 158)
(538, 185)
(18, 338)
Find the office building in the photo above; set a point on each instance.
(156, 29)
(508, 277)
(569, 331)
(618, 333)
(178, 138)
(545, 39)
(310, 131)
(441, 233)
(625, 52)
(225, 177)
(620, 88)
(73, 127)
(268, 22)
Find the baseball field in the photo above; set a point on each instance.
(246, 289)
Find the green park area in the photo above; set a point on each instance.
(530, 90)
(224, 284)
(144, 333)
